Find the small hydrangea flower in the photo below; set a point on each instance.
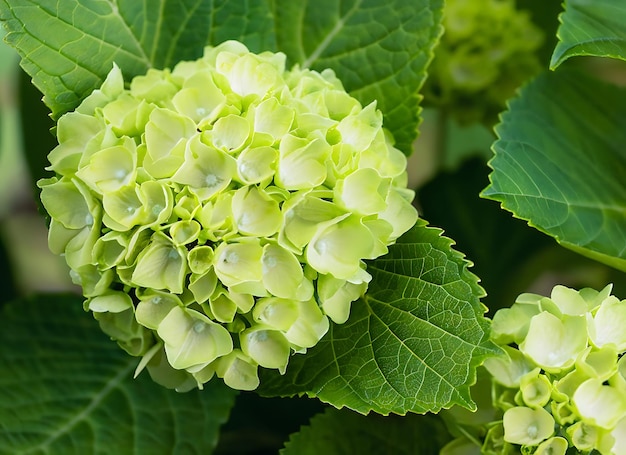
(218, 214)
(488, 49)
(560, 385)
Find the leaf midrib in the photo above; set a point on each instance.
(84, 414)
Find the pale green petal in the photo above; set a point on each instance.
(510, 325)
(363, 192)
(110, 249)
(123, 328)
(156, 87)
(123, 208)
(598, 363)
(222, 306)
(127, 115)
(206, 170)
(93, 281)
(74, 131)
(303, 214)
(256, 164)
(400, 213)
(229, 133)
(157, 201)
(153, 306)
(568, 300)
(238, 371)
(110, 301)
(336, 296)
(162, 373)
(526, 426)
(339, 248)
(599, 404)
(509, 368)
(79, 250)
(251, 74)
(200, 98)
(583, 435)
(275, 312)
(554, 343)
(282, 272)
(237, 263)
(360, 129)
(310, 326)
(202, 285)
(536, 389)
(553, 446)
(166, 137)
(269, 348)
(187, 204)
(594, 298)
(200, 259)
(184, 232)
(161, 265)
(192, 339)
(111, 168)
(272, 118)
(230, 46)
(112, 87)
(619, 438)
(256, 213)
(66, 203)
(567, 385)
(301, 163)
(607, 326)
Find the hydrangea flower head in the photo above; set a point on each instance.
(560, 385)
(218, 214)
(488, 49)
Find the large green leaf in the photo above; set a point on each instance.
(560, 163)
(410, 345)
(68, 47)
(368, 435)
(66, 389)
(501, 247)
(591, 27)
(380, 50)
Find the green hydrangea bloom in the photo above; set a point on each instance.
(560, 385)
(218, 214)
(488, 49)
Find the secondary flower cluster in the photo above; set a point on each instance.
(561, 384)
(218, 214)
(488, 50)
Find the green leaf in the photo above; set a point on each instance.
(69, 47)
(379, 50)
(345, 432)
(591, 28)
(66, 389)
(560, 163)
(503, 248)
(410, 345)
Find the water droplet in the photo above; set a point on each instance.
(156, 300)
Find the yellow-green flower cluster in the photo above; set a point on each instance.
(488, 50)
(561, 384)
(219, 213)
